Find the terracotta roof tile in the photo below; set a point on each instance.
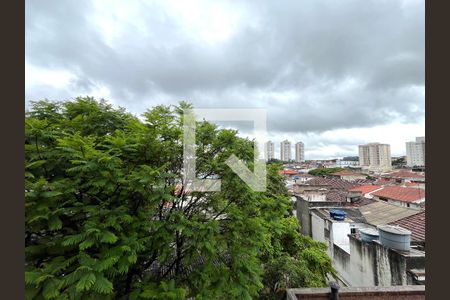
(288, 172)
(365, 188)
(337, 196)
(347, 173)
(415, 224)
(405, 174)
(332, 182)
(399, 193)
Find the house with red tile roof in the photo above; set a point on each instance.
(334, 183)
(288, 172)
(419, 185)
(402, 196)
(405, 176)
(366, 190)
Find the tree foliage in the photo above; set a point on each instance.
(325, 171)
(107, 215)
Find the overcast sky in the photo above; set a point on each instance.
(333, 74)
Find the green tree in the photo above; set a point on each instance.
(325, 171)
(108, 216)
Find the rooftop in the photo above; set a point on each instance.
(384, 181)
(415, 224)
(332, 182)
(368, 188)
(363, 181)
(405, 174)
(347, 173)
(352, 214)
(337, 196)
(399, 193)
(415, 184)
(361, 202)
(288, 172)
(381, 213)
(306, 175)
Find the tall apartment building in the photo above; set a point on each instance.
(375, 156)
(415, 152)
(269, 150)
(299, 152)
(285, 150)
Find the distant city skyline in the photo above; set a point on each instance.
(398, 148)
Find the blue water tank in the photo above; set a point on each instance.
(338, 215)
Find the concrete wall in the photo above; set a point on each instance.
(362, 264)
(359, 263)
(339, 233)
(303, 213)
(341, 263)
(317, 228)
(303, 216)
(371, 293)
(372, 264)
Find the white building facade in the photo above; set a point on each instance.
(285, 150)
(415, 152)
(269, 150)
(375, 156)
(299, 152)
(346, 163)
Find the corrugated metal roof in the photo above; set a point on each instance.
(380, 213)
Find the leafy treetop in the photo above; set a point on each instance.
(108, 216)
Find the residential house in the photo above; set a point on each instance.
(365, 190)
(402, 196)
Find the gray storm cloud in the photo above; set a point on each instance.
(315, 65)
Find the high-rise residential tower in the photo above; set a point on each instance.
(269, 150)
(375, 156)
(415, 152)
(285, 150)
(299, 152)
